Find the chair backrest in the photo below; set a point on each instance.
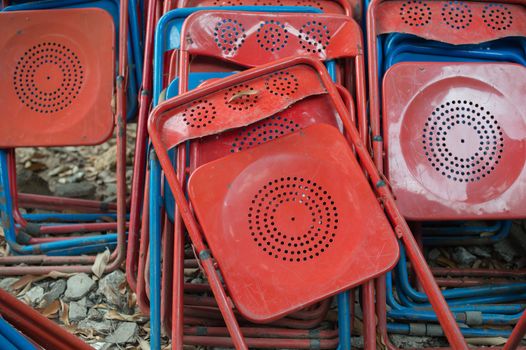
(455, 139)
(58, 77)
(453, 22)
(249, 39)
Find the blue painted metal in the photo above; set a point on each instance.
(6, 344)
(155, 252)
(14, 337)
(68, 218)
(10, 229)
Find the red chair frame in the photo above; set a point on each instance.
(398, 222)
(385, 16)
(42, 264)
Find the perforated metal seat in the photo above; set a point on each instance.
(57, 69)
(456, 139)
(290, 221)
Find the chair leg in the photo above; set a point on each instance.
(517, 334)
(445, 317)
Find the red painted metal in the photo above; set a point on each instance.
(451, 132)
(162, 114)
(28, 200)
(437, 20)
(349, 40)
(402, 19)
(517, 335)
(320, 36)
(56, 87)
(118, 255)
(44, 332)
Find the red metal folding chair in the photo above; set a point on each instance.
(59, 91)
(341, 38)
(291, 222)
(467, 135)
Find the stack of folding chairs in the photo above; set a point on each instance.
(445, 79)
(268, 163)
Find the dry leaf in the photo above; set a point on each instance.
(132, 300)
(24, 281)
(64, 317)
(240, 94)
(27, 280)
(100, 263)
(114, 315)
(144, 344)
(162, 96)
(51, 310)
(494, 341)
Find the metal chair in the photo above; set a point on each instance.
(213, 101)
(482, 24)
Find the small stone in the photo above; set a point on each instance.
(107, 160)
(6, 283)
(405, 341)
(104, 326)
(56, 291)
(506, 250)
(34, 295)
(95, 315)
(125, 333)
(434, 254)
(75, 190)
(463, 257)
(109, 287)
(29, 182)
(78, 286)
(77, 310)
(480, 251)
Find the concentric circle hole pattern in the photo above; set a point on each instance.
(269, 130)
(415, 13)
(457, 14)
(199, 114)
(229, 35)
(240, 97)
(463, 141)
(272, 36)
(314, 37)
(48, 77)
(497, 16)
(293, 219)
(282, 84)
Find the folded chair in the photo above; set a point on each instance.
(41, 224)
(446, 99)
(61, 71)
(198, 112)
(339, 46)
